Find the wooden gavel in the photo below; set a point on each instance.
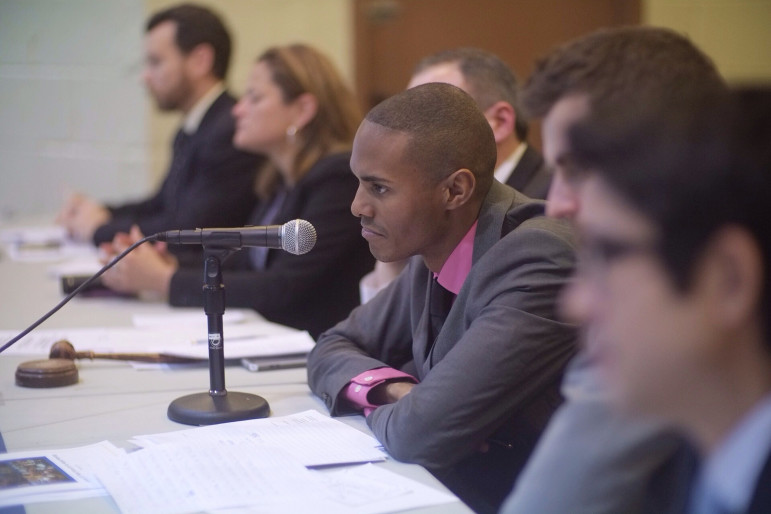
(63, 349)
(60, 370)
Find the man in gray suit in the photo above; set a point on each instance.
(592, 459)
(456, 364)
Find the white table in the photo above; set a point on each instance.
(113, 401)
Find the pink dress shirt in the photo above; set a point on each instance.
(452, 275)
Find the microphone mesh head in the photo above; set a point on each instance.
(298, 237)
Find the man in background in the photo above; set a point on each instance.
(592, 459)
(209, 182)
(493, 86)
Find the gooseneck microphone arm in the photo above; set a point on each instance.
(82, 286)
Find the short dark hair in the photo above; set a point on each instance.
(621, 67)
(690, 169)
(446, 131)
(489, 79)
(198, 25)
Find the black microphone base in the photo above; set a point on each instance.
(205, 409)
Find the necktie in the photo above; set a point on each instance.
(439, 305)
(178, 156)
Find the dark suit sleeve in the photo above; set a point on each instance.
(509, 347)
(215, 188)
(311, 291)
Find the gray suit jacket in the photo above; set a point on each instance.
(491, 376)
(594, 460)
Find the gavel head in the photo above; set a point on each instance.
(62, 349)
(58, 370)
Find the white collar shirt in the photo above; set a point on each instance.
(506, 168)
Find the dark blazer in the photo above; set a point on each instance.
(668, 487)
(761, 498)
(530, 176)
(678, 485)
(671, 490)
(494, 372)
(209, 183)
(312, 291)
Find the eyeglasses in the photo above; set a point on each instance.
(597, 254)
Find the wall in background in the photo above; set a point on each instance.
(71, 108)
(735, 33)
(73, 111)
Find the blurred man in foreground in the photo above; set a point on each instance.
(592, 459)
(674, 282)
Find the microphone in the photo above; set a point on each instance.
(296, 237)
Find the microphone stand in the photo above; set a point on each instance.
(218, 405)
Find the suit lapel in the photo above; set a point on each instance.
(523, 172)
(185, 146)
(761, 498)
(491, 219)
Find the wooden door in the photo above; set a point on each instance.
(392, 35)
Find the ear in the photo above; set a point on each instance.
(501, 117)
(305, 106)
(733, 269)
(459, 187)
(200, 60)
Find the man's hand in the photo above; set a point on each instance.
(390, 392)
(81, 216)
(148, 268)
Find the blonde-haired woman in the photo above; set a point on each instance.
(298, 112)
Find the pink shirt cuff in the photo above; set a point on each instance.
(357, 391)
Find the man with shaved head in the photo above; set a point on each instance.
(456, 364)
(494, 88)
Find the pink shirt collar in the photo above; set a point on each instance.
(457, 266)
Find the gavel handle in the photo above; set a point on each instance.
(139, 357)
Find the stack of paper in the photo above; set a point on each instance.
(47, 243)
(310, 437)
(250, 466)
(152, 335)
